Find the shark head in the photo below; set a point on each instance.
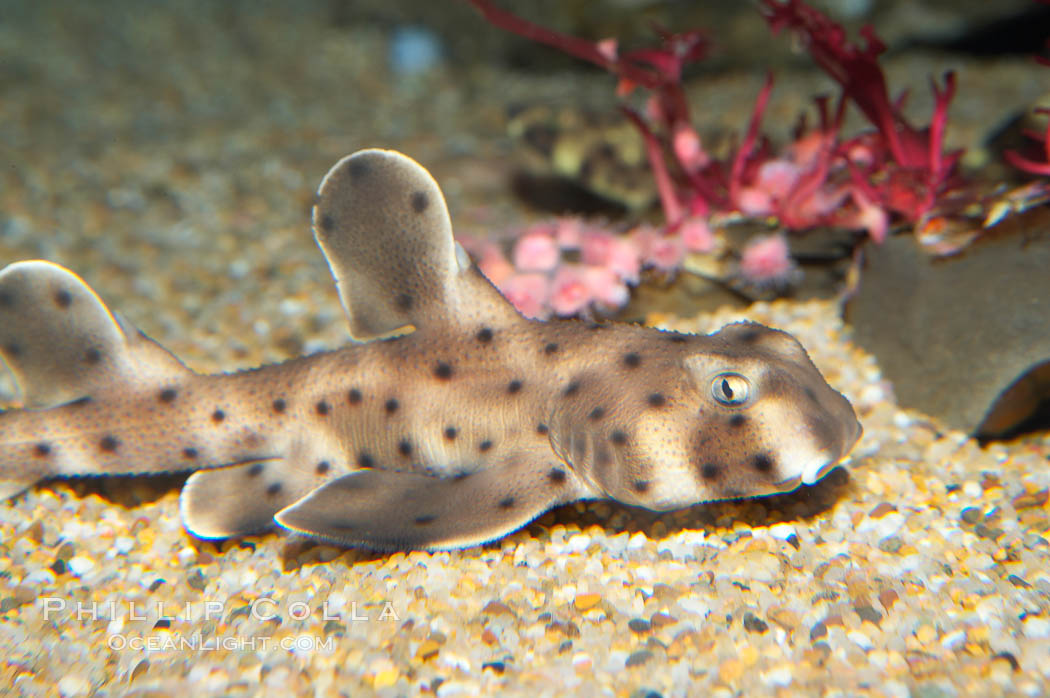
(740, 413)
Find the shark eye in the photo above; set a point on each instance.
(730, 389)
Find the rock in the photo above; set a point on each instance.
(964, 338)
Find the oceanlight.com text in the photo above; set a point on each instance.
(171, 642)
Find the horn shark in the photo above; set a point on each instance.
(452, 420)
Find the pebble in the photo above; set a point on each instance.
(1037, 627)
(782, 531)
(73, 685)
(585, 602)
(80, 565)
(638, 658)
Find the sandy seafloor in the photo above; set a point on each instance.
(171, 160)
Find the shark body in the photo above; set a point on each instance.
(453, 422)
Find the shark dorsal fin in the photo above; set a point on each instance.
(62, 343)
(383, 225)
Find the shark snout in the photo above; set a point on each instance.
(837, 442)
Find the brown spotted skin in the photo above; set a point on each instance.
(458, 422)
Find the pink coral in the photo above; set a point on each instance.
(766, 261)
(529, 293)
(616, 253)
(568, 232)
(607, 287)
(570, 292)
(541, 282)
(696, 235)
(491, 260)
(818, 179)
(536, 251)
(911, 166)
(658, 249)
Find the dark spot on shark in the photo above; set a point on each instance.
(419, 201)
(365, 460)
(218, 416)
(7, 299)
(323, 408)
(763, 463)
(80, 402)
(571, 389)
(167, 395)
(255, 470)
(640, 486)
(823, 429)
(485, 445)
(189, 453)
(63, 299)
(109, 443)
(749, 336)
(542, 428)
(556, 476)
(443, 370)
(551, 348)
(323, 467)
(358, 168)
(596, 414)
(92, 356)
(618, 437)
(514, 386)
(709, 471)
(391, 406)
(327, 223)
(579, 450)
(484, 335)
(506, 503)
(354, 396)
(12, 349)
(737, 420)
(425, 519)
(450, 433)
(461, 476)
(656, 400)
(602, 456)
(273, 489)
(404, 447)
(42, 449)
(775, 385)
(404, 301)
(279, 405)
(632, 360)
(676, 338)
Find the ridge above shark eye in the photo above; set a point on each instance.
(730, 389)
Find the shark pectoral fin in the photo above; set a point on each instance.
(62, 343)
(234, 501)
(242, 499)
(389, 510)
(13, 483)
(383, 225)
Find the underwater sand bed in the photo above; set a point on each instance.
(920, 567)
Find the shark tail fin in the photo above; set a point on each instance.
(385, 230)
(62, 344)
